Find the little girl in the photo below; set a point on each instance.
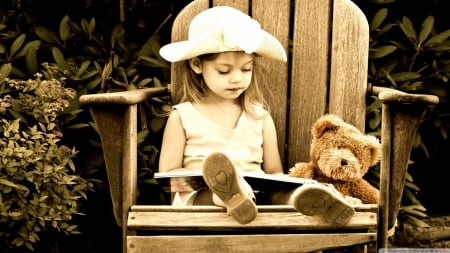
(221, 125)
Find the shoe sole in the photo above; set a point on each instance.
(221, 177)
(319, 200)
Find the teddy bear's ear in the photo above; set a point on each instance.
(324, 124)
(375, 149)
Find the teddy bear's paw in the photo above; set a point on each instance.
(302, 170)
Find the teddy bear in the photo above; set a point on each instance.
(341, 155)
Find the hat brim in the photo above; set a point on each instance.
(183, 50)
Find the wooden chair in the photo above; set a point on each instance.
(327, 72)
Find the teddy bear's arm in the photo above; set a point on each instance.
(365, 191)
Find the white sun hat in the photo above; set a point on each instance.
(222, 29)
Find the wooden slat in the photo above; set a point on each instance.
(349, 64)
(261, 208)
(170, 220)
(273, 76)
(275, 243)
(242, 5)
(309, 75)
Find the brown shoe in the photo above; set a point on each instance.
(223, 180)
(324, 201)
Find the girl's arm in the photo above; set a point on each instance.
(271, 155)
(174, 140)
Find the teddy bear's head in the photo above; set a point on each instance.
(340, 150)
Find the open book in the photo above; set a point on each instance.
(178, 181)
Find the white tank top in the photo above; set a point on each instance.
(242, 144)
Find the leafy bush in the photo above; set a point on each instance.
(415, 60)
(39, 189)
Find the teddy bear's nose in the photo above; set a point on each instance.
(343, 162)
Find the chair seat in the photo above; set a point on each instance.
(276, 229)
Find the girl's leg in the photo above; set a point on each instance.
(232, 191)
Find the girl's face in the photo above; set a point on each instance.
(227, 75)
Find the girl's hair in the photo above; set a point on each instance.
(194, 88)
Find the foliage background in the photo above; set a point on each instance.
(120, 50)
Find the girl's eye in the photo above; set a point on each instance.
(223, 72)
(247, 70)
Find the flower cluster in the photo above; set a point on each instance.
(5, 103)
(44, 99)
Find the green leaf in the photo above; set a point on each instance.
(146, 49)
(414, 207)
(88, 74)
(18, 241)
(375, 121)
(64, 28)
(82, 68)
(378, 19)
(17, 44)
(31, 61)
(416, 222)
(427, 26)
(412, 186)
(144, 82)
(9, 35)
(117, 32)
(85, 25)
(382, 51)
(93, 83)
(437, 39)
(408, 29)
(71, 228)
(416, 213)
(410, 196)
(59, 59)
(142, 135)
(5, 70)
(47, 34)
(404, 76)
(385, 29)
(13, 185)
(157, 123)
(106, 73)
(91, 26)
(77, 126)
(155, 62)
(32, 45)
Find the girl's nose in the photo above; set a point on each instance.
(236, 77)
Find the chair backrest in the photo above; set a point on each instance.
(326, 71)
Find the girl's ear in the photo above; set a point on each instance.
(196, 65)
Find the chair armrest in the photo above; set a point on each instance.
(123, 97)
(401, 115)
(115, 115)
(388, 95)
